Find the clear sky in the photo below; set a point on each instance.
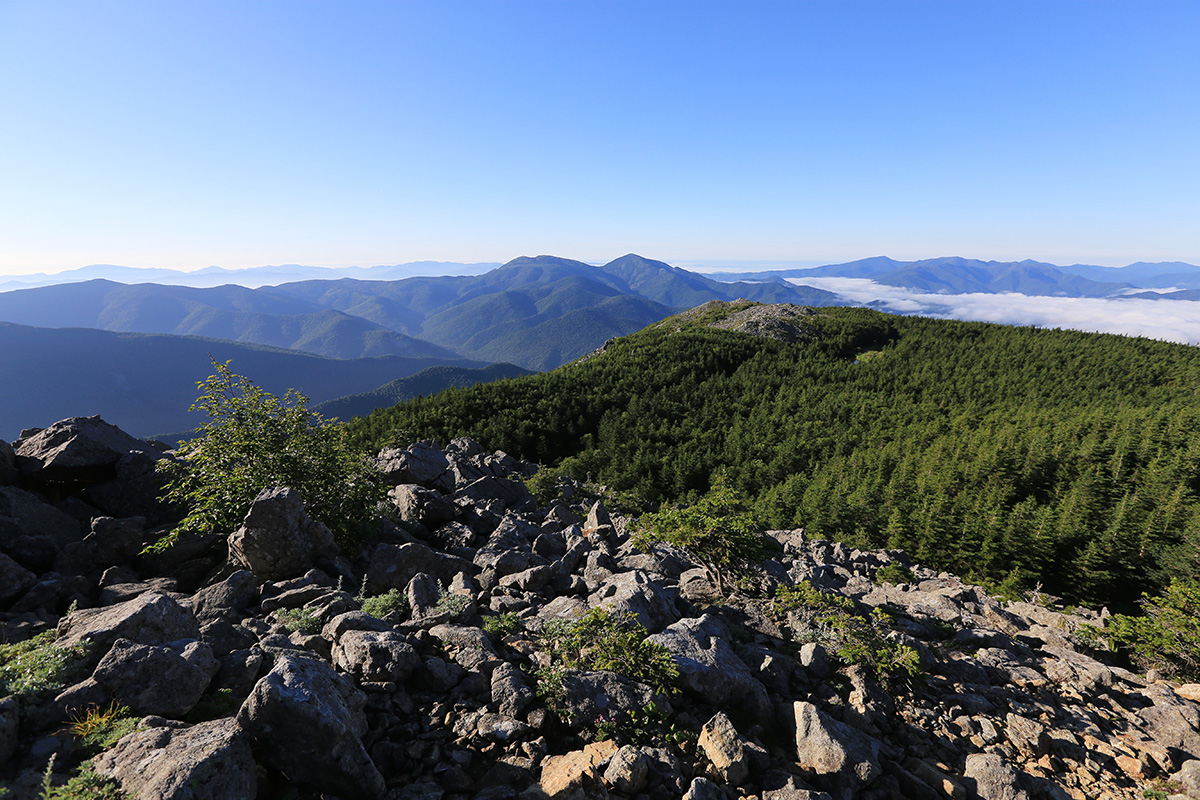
(184, 134)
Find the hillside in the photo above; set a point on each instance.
(1009, 455)
(430, 380)
(146, 382)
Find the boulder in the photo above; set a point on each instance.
(825, 746)
(510, 690)
(207, 761)
(165, 681)
(307, 722)
(993, 779)
(78, 450)
(278, 540)
(15, 580)
(394, 566)
(112, 541)
(375, 655)
(151, 618)
(628, 770)
(424, 506)
(709, 668)
(8, 464)
(724, 749)
(421, 463)
(591, 697)
(227, 599)
(23, 515)
(635, 594)
(575, 775)
(703, 789)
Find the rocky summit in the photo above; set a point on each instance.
(437, 661)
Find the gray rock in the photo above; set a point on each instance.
(421, 463)
(393, 566)
(165, 681)
(512, 494)
(23, 514)
(15, 580)
(9, 717)
(634, 593)
(709, 668)
(423, 594)
(1027, 735)
(152, 618)
(352, 621)
(704, 789)
(724, 749)
(375, 655)
(424, 506)
(8, 464)
(207, 761)
(1175, 725)
(510, 691)
(227, 599)
(994, 780)
(501, 728)
(277, 539)
(628, 770)
(1188, 776)
(79, 448)
(591, 696)
(825, 746)
(307, 722)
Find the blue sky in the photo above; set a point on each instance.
(184, 134)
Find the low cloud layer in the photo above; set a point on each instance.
(1168, 320)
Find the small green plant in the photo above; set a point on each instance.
(544, 486)
(833, 621)
(1166, 637)
(254, 440)
(37, 667)
(452, 604)
(719, 531)
(501, 625)
(88, 785)
(649, 726)
(600, 640)
(1155, 794)
(300, 620)
(99, 729)
(894, 573)
(381, 605)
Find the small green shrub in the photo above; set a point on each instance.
(301, 620)
(833, 621)
(99, 729)
(453, 604)
(502, 625)
(720, 531)
(544, 486)
(254, 440)
(650, 726)
(602, 641)
(1167, 636)
(86, 785)
(37, 667)
(894, 573)
(381, 605)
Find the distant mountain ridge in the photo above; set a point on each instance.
(956, 275)
(535, 312)
(145, 383)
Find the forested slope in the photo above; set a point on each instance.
(1000, 453)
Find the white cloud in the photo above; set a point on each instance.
(1168, 320)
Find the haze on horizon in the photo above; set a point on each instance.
(181, 135)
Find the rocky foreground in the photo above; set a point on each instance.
(256, 672)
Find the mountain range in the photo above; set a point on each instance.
(536, 313)
(955, 275)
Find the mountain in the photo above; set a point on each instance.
(223, 312)
(1008, 454)
(145, 383)
(251, 277)
(537, 313)
(430, 380)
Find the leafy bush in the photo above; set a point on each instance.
(894, 573)
(86, 785)
(719, 531)
(301, 620)
(254, 440)
(37, 667)
(99, 729)
(833, 621)
(1167, 637)
(602, 641)
(381, 605)
(502, 625)
(452, 604)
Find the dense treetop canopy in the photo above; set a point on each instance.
(999, 453)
